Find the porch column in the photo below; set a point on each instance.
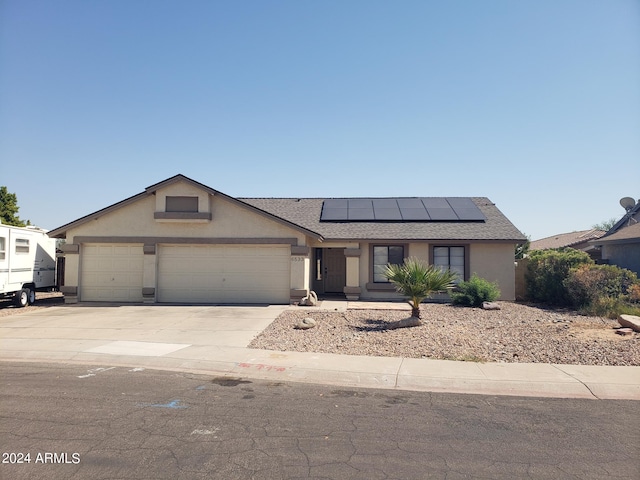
(352, 290)
(71, 272)
(300, 272)
(149, 274)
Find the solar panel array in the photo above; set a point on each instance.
(418, 209)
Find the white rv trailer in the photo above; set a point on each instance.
(27, 263)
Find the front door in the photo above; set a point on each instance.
(335, 270)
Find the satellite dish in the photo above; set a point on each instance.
(627, 203)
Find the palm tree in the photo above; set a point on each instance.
(417, 281)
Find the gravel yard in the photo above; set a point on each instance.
(516, 333)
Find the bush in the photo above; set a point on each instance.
(475, 291)
(588, 283)
(547, 272)
(634, 293)
(610, 308)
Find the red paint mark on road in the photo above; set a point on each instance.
(262, 366)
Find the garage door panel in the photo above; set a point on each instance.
(112, 273)
(223, 274)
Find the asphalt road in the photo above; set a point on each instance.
(78, 422)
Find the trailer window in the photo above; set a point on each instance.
(22, 245)
(3, 250)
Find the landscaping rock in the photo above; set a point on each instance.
(490, 306)
(305, 324)
(630, 321)
(405, 322)
(624, 331)
(309, 301)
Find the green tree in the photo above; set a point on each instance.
(522, 249)
(606, 225)
(417, 281)
(9, 209)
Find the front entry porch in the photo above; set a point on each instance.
(335, 272)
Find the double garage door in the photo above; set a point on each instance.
(188, 273)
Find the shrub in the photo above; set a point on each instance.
(610, 308)
(475, 291)
(634, 293)
(588, 283)
(548, 269)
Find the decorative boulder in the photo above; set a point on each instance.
(310, 300)
(404, 323)
(630, 321)
(624, 331)
(490, 306)
(305, 324)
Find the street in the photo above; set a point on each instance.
(97, 421)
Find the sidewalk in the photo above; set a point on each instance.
(210, 340)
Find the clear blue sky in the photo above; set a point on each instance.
(533, 103)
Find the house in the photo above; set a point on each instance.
(621, 245)
(180, 241)
(580, 240)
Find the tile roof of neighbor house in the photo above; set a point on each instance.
(566, 239)
(630, 234)
(306, 213)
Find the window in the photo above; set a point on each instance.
(22, 245)
(383, 255)
(182, 204)
(3, 248)
(451, 258)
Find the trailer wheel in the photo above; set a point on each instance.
(22, 298)
(32, 297)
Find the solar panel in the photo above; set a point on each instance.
(387, 214)
(415, 214)
(423, 209)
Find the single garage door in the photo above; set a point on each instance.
(223, 274)
(111, 273)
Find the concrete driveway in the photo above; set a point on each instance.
(151, 330)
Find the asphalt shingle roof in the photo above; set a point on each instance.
(305, 212)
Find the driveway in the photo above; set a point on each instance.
(148, 330)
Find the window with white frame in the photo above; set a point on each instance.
(22, 245)
(3, 248)
(384, 255)
(451, 258)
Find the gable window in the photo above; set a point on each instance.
(452, 258)
(3, 248)
(22, 245)
(181, 204)
(383, 255)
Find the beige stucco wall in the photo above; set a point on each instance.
(495, 262)
(229, 220)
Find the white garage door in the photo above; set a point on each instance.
(111, 273)
(223, 274)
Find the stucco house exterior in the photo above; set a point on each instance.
(180, 241)
(621, 245)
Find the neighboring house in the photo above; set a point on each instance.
(621, 245)
(180, 241)
(579, 240)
